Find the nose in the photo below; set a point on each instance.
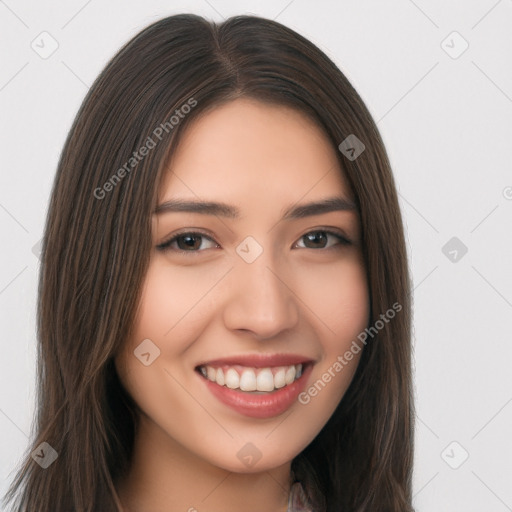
(260, 299)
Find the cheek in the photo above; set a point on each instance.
(338, 299)
(175, 305)
(171, 315)
(175, 308)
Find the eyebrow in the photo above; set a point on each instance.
(330, 204)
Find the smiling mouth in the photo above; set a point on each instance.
(250, 379)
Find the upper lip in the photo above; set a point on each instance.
(259, 360)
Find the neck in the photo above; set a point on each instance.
(166, 477)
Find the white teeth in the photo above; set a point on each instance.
(289, 376)
(279, 380)
(211, 373)
(253, 379)
(248, 381)
(265, 380)
(232, 379)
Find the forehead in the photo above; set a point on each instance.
(250, 148)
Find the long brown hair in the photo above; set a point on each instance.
(96, 248)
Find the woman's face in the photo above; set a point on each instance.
(242, 290)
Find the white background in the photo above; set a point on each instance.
(447, 125)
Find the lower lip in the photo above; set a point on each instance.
(267, 405)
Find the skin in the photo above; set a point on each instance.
(205, 304)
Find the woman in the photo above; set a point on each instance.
(224, 310)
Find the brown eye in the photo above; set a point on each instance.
(186, 242)
(319, 239)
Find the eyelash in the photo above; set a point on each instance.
(165, 246)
